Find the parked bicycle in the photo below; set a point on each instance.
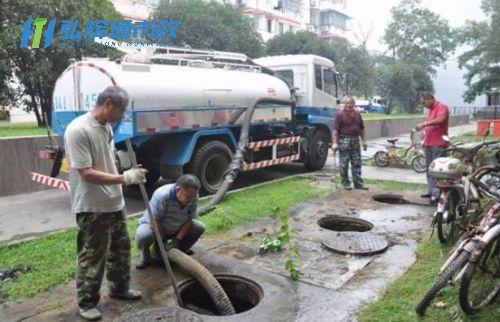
(411, 155)
(478, 248)
(458, 196)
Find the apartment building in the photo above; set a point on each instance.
(327, 18)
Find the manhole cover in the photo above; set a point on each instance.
(341, 223)
(162, 314)
(391, 199)
(356, 243)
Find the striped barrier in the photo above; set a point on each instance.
(268, 163)
(49, 181)
(260, 144)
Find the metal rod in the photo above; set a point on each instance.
(163, 252)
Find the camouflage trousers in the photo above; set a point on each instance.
(102, 243)
(350, 151)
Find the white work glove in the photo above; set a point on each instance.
(335, 147)
(365, 145)
(135, 176)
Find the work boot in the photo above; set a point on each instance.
(347, 187)
(90, 314)
(130, 294)
(426, 195)
(361, 187)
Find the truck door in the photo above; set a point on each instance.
(325, 91)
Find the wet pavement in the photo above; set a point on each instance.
(332, 287)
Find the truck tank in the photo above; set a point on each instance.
(167, 97)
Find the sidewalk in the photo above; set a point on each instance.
(25, 216)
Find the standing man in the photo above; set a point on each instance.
(435, 126)
(174, 209)
(97, 200)
(348, 130)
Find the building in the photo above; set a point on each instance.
(327, 18)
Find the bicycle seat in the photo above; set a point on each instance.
(469, 149)
(392, 141)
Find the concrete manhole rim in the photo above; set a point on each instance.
(344, 223)
(390, 198)
(252, 288)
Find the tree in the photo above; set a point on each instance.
(37, 70)
(354, 62)
(211, 25)
(482, 61)
(418, 36)
(418, 41)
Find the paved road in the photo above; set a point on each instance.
(24, 216)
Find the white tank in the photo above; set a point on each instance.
(163, 87)
(168, 98)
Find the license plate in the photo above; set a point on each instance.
(64, 165)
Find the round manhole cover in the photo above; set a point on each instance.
(356, 243)
(162, 314)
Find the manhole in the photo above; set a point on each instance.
(162, 314)
(341, 223)
(244, 294)
(356, 243)
(391, 199)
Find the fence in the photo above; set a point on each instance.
(477, 112)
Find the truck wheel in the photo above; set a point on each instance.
(209, 164)
(317, 152)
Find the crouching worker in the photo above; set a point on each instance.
(174, 209)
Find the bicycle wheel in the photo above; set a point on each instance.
(481, 280)
(381, 159)
(419, 164)
(443, 279)
(446, 229)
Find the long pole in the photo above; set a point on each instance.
(163, 252)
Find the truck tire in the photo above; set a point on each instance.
(317, 151)
(209, 163)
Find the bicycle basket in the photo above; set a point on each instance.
(417, 138)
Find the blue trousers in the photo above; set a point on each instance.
(432, 153)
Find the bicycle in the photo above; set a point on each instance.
(469, 248)
(457, 195)
(411, 155)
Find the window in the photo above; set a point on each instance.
(280, 28)
(286, 76)
(330, 82)
(269, 25)
(318, 77)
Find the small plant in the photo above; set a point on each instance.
(275, 244)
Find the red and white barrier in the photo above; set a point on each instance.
(49, 181)
(261, 144)
(268, 163)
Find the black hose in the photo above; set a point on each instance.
(235, 165)
(205, 278)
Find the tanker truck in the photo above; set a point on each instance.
(186, 109)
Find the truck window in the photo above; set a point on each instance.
(286, 76)
(330, 82)
(318, 77)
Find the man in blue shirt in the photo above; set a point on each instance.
(174, 209)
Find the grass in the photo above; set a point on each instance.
(21, 129)
(396, 185)
(382, 116)
(51, 258)
(399, 300)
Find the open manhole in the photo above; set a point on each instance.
(356, 243)
(243, 293)
(341, 223)
(391, 199)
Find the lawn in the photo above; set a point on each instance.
(21, 129)
(51, 258)
(399, 300)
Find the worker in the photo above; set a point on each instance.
(174, 208)
(348, 130)
(103, 242)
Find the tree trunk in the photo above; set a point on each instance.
(34, 107)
